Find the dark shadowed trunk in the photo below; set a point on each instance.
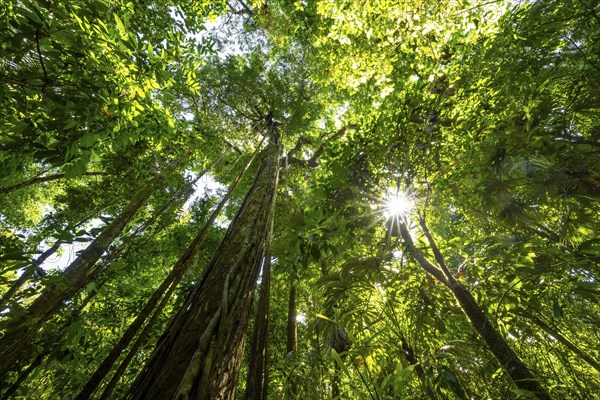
(292, 331)
(141, 340)
(257, 381)
(507, 358)
(22, 329)
(412, 359)
(170, 282)
(23, 375)
(408, 350)
(200, 354)
(335, 382)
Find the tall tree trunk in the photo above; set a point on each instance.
(257, 381)
(40, 179)
(200, 354)
(171, 281)
(292, 330)
(508, 359)
(412, 359)
(335, 382)
(407, 349)
(142, 338)
(21, 330)
(35, 266)
(24, 375)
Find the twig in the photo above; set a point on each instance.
(37, 44)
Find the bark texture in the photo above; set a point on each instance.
(165, 288)
(292, 331)
(257, 381)
(199, 355)
(21, 330)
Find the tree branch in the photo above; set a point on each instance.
(37, 44)
(313, 162)
(420, 257)
(40, 179)
(436, 252)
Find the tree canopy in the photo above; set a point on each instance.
(326, 199)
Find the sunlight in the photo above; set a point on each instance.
(301, 318)
(396, 204)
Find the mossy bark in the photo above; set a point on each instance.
(205, 341)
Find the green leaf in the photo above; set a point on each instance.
(321, 316)
(120, 25)
(591, 246)
(405, 373)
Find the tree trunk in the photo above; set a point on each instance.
(516, 369)
(335, 382)
(508, 359)
(407, 349)
(24, 375)
(136, 345)
(200, 354)
(172, 280)
(21, 330)
(292, 331)
(412, 359)
(257, 381)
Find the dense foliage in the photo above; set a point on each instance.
(136, 136)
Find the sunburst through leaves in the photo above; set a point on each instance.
(397, 204)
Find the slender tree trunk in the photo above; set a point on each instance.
(172, 280)
(413, 360)
(335, 382)
(23, 375)
(516, 369)
(292, 330)
(200, 354)
(407, 349)
(26, 275)
(21, 330)
(142, 338)
(40, 179)
(257, 381)
(35, 267)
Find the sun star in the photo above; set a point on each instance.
(396, 204)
